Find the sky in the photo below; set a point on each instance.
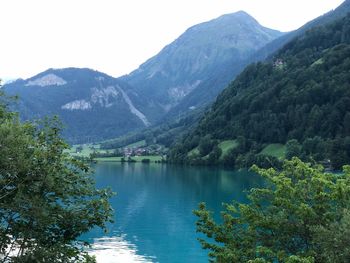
(116, 36)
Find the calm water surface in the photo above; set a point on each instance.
(153, 209)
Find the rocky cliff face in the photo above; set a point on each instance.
(91, 105)
(185, 66)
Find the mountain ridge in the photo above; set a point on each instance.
(143, 97)
(183, 65)
(298, 100)
(78, 95)
(228, 72)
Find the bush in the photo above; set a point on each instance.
(300, 215)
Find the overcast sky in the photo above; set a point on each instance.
(116, 36)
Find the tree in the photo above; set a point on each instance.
(293, 148)
(346, 123)
(335, 240)
(214, 155)
(284, 221)
(338, 153)
(205, 145)
(47, 198)
(149, 138)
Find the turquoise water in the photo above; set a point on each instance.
(153, 209)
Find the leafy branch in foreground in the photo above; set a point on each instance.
(300, 215)
(47, 198)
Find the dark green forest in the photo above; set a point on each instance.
(301, 98)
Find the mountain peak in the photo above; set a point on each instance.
(61, 76)
(203, 50)
(49, 79)
(241, 16)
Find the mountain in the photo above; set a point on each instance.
(91, 104)
(201, 97)
(94, 106)
(300, 100)
(231, 69)
(186, 66)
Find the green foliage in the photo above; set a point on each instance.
(193, 153)
(214, 155)
(227, 145)
(276, 150)
(206, 145)
(300, 215)
(335, 239)
(293, 148)
(145, 160)
(47, 198)
(164, 134)
(315, 148)
(123, 141)
(137, 144)
(303, 101)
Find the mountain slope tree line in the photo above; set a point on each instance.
(301, 98)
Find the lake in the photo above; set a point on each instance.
(153, 209)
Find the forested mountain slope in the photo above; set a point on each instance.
(301, 97)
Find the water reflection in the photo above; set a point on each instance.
(153, 209)
(116, 249)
